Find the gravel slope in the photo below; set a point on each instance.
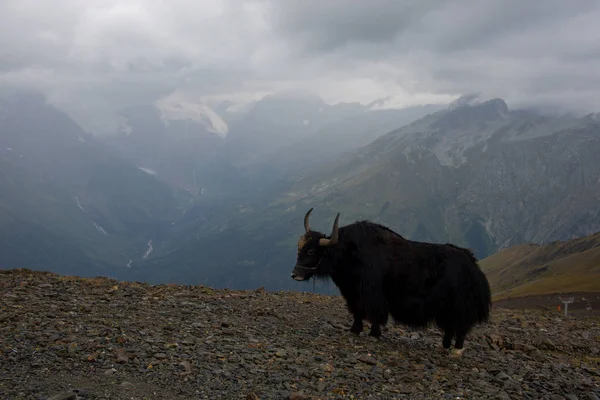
(74, 338)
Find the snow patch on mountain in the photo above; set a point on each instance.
(149, 250)
(173, 109)
(147, 170)
(100, 229)
(78, 203)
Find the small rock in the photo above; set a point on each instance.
(160, 356)
(548, 344)
(64, 396)
(187, 367)
(367, 359)
(503, 376)
(298, 396)
(126, 385)
(408, 390)
(503, 396)
(122, 357)
(252, 396)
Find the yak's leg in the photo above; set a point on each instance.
(357, 314)
(357, 324)
(447, 340)
(376, 322)
(378, 316)
(447, 327)
(458, 349)
(375, 330)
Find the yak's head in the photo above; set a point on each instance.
(312, 247)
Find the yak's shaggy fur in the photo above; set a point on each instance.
(379, 273)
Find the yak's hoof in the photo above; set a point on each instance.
(375, 334)
(456, 353)
(355, 331)
(440, 347)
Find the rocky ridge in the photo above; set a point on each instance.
(75, 338)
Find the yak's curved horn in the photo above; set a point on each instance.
(334, 234)
(306, 224)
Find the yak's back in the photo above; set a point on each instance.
(367, 233)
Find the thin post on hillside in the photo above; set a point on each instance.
(566, 301)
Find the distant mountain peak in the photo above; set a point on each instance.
(495, 104)
(465, 100)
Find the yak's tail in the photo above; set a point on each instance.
(483, 298)
(479, 296)
(473, 301)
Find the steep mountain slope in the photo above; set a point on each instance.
(344, 135)
(277, 121)
(532, 269)
(178, 144)
(477, 175)
(67, 202)
(175, 150)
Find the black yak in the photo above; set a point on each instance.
(379, 273)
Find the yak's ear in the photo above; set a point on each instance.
(332, 241)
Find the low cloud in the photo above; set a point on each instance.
(92, 58)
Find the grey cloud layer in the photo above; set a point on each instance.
(94, 57)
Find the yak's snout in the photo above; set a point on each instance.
(296, 275)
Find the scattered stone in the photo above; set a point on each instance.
(298, 396)
(126, 385)
(182, 342)
(64, 396)
(503, 376)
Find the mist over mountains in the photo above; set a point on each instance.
(216, 196)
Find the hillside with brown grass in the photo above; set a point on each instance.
(531, 269)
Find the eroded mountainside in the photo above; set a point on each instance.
(69, 203)
(77, 338)
(481, 176)
(478, 175)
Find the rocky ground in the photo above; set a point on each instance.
(73, 338)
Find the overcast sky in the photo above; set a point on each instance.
(92, 57)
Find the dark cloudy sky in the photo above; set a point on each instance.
(92, 57)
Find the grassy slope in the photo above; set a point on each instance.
(529, 269)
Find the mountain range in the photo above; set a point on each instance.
(176, 196)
